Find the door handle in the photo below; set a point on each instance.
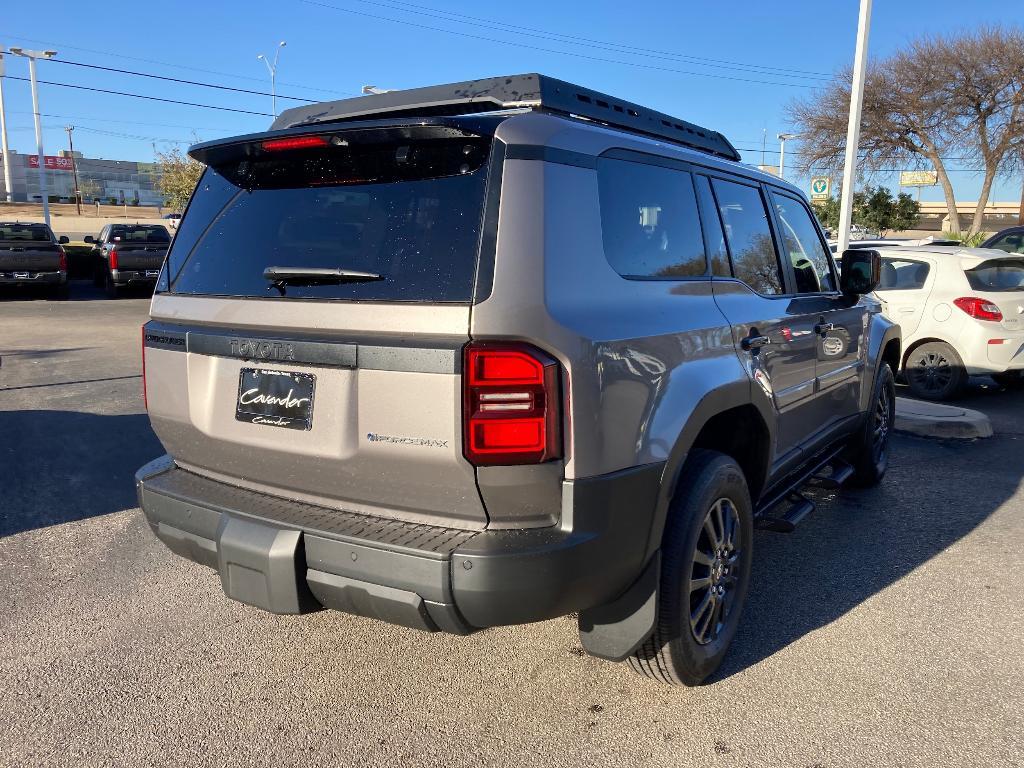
(754, 343)
(822, 328)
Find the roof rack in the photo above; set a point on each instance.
(530, 91)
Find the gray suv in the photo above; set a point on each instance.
(501, 351)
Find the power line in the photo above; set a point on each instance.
(106, 121)
(494, 24)
(121, 56)
(141, 96)
(553, 50)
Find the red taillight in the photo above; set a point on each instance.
(294, 142)
(145, 400)
(979, 309)
(112, 255)
(511, 405)
(62, 263)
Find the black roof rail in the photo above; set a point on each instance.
(530, 91)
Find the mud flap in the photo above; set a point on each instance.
(263, 566)
(613, 631)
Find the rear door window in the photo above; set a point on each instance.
(997, 275)
(903, 275)
(649, 221)
(749, 236)
(409, 212)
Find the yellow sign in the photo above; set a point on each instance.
(918, 178)
(821, 186)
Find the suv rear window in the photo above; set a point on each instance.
(409, 211)
(35, 233)
(997, 275)
(140, 234)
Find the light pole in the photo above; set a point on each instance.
(860, 63)
(272, 69)
(3, 136)
(782, 152)
(32, 56)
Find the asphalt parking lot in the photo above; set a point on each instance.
(887, 630)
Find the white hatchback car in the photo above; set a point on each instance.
(962, 314)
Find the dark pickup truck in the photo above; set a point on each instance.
(128, 254)
(31, 256)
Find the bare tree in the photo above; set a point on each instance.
(943, 97)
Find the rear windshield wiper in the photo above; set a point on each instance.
(279, 277)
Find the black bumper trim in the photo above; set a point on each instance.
(454, 583)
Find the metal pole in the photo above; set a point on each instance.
(39, 140)
(3, 139)
(782, 158)
(74, 169)
(860, 61)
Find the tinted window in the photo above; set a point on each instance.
(1012, 242)
(140, 234)
(649, 221)
(903, 275)
(811, 267)
(997, 275)
(33, 232)
(407, 211)
(749, 236)
(714, 236)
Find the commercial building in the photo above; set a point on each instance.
(107, 181)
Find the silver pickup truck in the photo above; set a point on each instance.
(30, 255)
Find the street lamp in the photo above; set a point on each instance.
(3, 135)
(373, 90)
(782, 152)
(272, 68)
(32, 56)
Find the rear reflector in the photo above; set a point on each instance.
(979, 309)
(997, 341)
(511, 405)
(294, 142)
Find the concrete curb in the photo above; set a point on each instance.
(925, 419)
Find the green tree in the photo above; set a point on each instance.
(179, 175)
(827, 212)
(874, 209)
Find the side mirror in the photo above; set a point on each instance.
(88, 239)
(64, 240)
(861, 271)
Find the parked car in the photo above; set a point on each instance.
(128, 254)
(1010, 240)
(962, 314)
(896, 242)
(457, 370)
(31, 256)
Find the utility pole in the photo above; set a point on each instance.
(74, 169)
(3, 136)
(860, 62)
(32, 56)
(1020, 214)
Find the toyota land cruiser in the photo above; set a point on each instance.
(502, 351)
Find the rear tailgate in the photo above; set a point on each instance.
(138, 257)
(343, 394)
(999, 280)
(29, 257)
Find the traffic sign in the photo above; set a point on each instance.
(821, 186)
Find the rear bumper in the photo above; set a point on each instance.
(33, 278)
(292, 557)
(126, 276)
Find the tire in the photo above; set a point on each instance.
(868, 452)
(676, 652)
(111, 288)
(1009, 379)
(934, 371)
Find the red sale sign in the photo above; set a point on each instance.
(51, 162)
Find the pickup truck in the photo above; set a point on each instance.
(30, 255)
(128, 254)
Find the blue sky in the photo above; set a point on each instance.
(732, 66)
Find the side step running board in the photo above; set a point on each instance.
(800, 507)
(841, 472)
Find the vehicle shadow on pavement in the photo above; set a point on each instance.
(60, 466)
(859, 542)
